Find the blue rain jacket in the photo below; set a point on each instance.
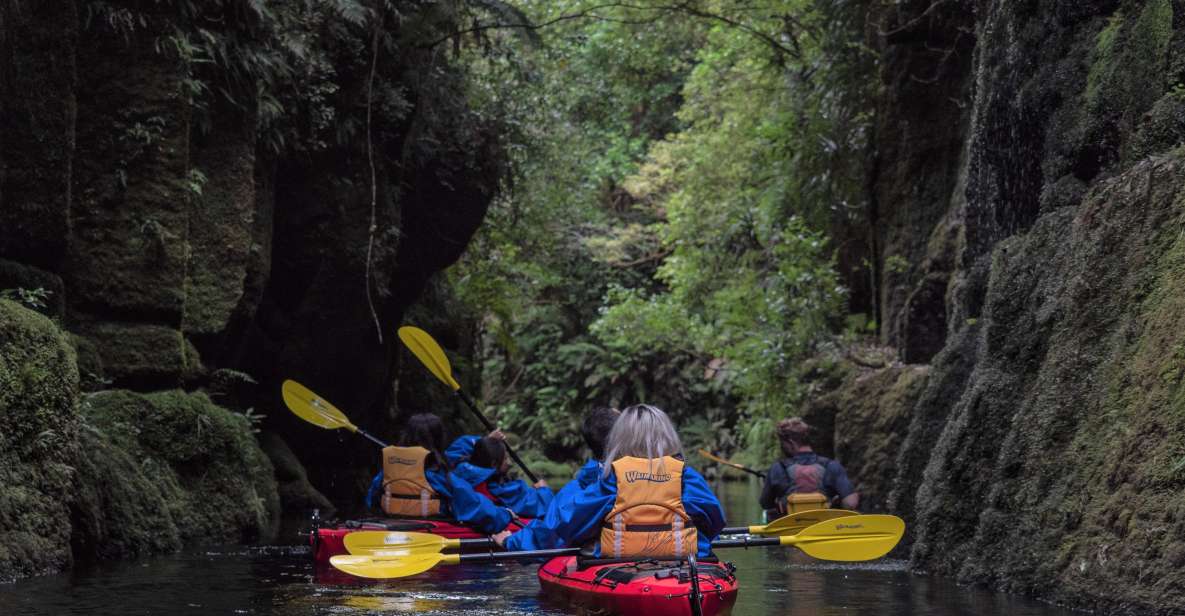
(458, 500)
(516, 495)
(460, 450)
(580, 521)
(540, 533)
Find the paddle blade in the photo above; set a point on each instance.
(429, 353)
(850, 538)
(795, 522)
(313, 408)
(386, 567)
(373, 542)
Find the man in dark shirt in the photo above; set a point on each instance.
(803, 473)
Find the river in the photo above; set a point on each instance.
(281, 580)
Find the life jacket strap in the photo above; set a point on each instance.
(642, 528)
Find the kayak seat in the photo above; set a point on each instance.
(611, 574)
(588, 558)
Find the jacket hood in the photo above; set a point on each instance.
(471, 474)
(589, 473)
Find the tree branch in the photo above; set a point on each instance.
(682, 7)
(915, 21)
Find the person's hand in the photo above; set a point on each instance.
(542, 483)
(497, 434)
(500, 538)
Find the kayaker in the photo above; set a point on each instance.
(645, 503)
(416, 481)
(461, 448)
(804, 480)
(486, 471)
(595, 430)
(540, 533)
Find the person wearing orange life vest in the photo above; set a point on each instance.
(416, 481)
(804, 480)
(486, 468)
(647, 503)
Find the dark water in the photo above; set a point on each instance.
(282, 581)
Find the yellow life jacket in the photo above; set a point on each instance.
(406, 491)
(806, 502)
(648, 519)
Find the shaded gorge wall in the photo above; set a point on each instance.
(199, 218)
(1032, 433)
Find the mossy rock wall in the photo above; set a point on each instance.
(178, 469)
(181, 232)
(1042, 452)
(870, 414)
(120, 473)
(38, 443)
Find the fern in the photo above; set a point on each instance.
(352, 11)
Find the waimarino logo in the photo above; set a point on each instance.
(632, 476)
(843, 526)
(394, 460)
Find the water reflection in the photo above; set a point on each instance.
(283, 581)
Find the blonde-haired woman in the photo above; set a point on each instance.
(647, 502)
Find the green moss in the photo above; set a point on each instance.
(872, 412)
(1127, 73)
(1104, 56)
(174, 468)
(130, 350)
(38, 427)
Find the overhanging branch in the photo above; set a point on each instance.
(687, 8)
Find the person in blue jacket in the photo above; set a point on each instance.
(458, 498)
(486, 470)
(540, 533)
(642, 438)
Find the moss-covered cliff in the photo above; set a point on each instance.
(209, 188)
(1038, 449)
(38, 442)
(117, 473)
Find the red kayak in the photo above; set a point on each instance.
(643, 588)
(330, 540)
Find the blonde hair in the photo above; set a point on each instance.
(642, 431)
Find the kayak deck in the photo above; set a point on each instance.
(329, 541)
(644, 588)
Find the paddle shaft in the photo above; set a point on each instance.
(739, 467)
(748, 542)
(740, 530)
(491, 427)
(748, 470)
(372, 438)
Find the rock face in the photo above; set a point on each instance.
(119, 474)
(1039, 447)
(168, 468)
(38, 442)
(182, 233)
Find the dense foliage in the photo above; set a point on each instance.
(665, 238)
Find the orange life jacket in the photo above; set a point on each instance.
(406, 491)
(648, 519)
(806, 488)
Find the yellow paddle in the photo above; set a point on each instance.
(377, 543)
(425, 348)
(848, 539)
(383, 543)
(790, 524)
(715, 458)
(317, 410)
